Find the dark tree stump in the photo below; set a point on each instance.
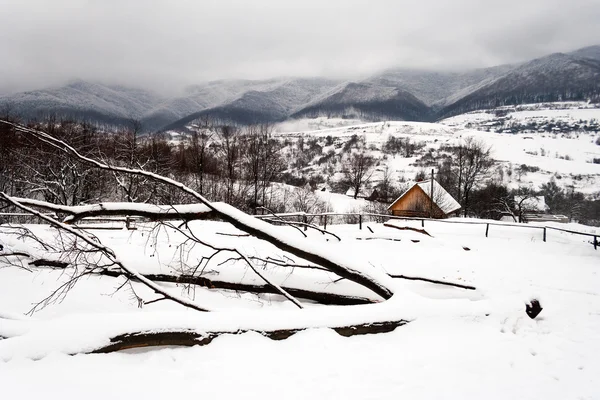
(533, 309)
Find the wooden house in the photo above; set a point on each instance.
(417, 201)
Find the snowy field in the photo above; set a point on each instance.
(463, 344)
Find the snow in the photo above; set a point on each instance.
(314, 124)
(472, 344)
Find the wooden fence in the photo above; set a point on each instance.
(305, 218)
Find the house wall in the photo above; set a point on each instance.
(415, 203)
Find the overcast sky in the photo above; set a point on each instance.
(167, 44)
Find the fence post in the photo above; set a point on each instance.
(305, 221)
(360, 221)
(487, 228)
(325, 223)
(595, 242)
(127, 222)
(423, 223)
(544, 234)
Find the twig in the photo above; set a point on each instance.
(417, 278)
(408, 228)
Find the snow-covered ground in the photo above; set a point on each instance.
(314, 124)
(459, 344)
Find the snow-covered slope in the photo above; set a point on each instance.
(557, 140)
(438, 88)
(557, 77)
(592, 52)
(261, 102)
(368, 101)
(83, 99)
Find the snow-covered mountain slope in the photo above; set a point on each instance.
(433, 87)
(369, 101)
(204, 96)
(531, 144)
(559, 117)
(557, 77)
(264, 102)
(83, 99)
(592, 52)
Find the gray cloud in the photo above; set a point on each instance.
(168, 44)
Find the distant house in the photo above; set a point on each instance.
(535, 209)
(417, 201)
(367, 194)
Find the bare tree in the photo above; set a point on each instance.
(358, 170)
(230, 150)
(200, 139)
(129, 155)
(524, 202)
(472, 160)
(305, 200)
(385, 187)
(261, 161)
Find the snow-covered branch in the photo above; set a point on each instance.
(186, 212)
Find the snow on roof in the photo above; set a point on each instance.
(441, 197)
(534, 203)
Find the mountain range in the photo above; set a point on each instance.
(395, 94)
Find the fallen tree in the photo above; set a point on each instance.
(370, 278)
(84, 255)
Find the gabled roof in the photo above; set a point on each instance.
(441, 197)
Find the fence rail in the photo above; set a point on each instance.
(94, 222)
